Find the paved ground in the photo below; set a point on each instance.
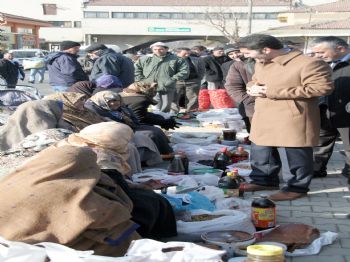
(327, 206)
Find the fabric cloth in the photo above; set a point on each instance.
(29, 118)
(112, 63)
(83, 87)
(266, 165)
(109, 140)
(76, 117)
(64, 69)
(61, 196)
(68, 44)
(290, 109)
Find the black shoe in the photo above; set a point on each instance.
(32, 82)
(320, 174)
(346, 171)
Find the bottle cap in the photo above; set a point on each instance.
(264, 250)
(229, 174)
(224, 149)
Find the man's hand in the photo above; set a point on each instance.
(257, 90)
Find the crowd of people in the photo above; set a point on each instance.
(78, 147)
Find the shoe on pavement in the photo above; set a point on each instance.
(346, 171)
(253, 187)
(285, 196)
(319, 174)
(32, 82)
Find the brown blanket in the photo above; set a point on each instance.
(60, 196)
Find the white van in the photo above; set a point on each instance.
(23, 54)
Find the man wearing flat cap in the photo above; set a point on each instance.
(64, 68)
(164, 69)
(109, 62)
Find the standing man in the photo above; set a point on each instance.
(190, 86)
(334, 108)
(109, 62)
(17, 73)
(164, 69)
(9, 71)
(286, 85)
(64, 68)
(38, 67)
(213, 72)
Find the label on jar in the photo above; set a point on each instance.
(264, 217)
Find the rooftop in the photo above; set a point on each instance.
(339, 24)
(339, 6)
(27, 20)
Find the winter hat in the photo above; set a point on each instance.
(108, 81)
(95, 47)
(158, 44)
(68, 44)
(218, 48)
(230, 49)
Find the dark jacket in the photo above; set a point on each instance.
(198, 66)
(213, 72)
(112, 63)
(338, 103)
(139, 104)
(64, 69)
(239, 74)
(9, 72)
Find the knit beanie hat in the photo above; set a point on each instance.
(230, 49)
(68, 44)
(95, 47)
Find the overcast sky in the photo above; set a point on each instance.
(317, 2)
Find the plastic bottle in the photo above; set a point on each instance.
(222, 159)
(231, 184)
(176, 167)
(264, 253)
(239, 155)
(263, 213)
(184, 160)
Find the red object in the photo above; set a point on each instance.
(203, 99)
(220, 99)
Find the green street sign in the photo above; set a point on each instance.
(169, 29)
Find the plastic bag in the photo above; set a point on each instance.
(203, 99)
(151, 250)
(231, 220)
(193, 138)
(220, 99)
(190, 201)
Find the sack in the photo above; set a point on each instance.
(35, 64)
(194, 138)
(203, 99)
(220, 99)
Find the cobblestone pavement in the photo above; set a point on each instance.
(326, 207)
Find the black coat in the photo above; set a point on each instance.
(139, 105)
(338, 102)
(9, 72)
(213, 72)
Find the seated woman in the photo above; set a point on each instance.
(29, 118)
(61, 196)
(138, 97)
(151, 211)
(79, 117)
(110, 106)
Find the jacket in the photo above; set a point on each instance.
(139, 104)
(237, 78)
(289, 116)
(199, 67)
(112, 63)
(9, 72)
(213, 72)
(338, 103)
(164, 71)
(64, 69)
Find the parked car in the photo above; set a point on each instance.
(25, 54)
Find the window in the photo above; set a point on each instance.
(141, 15)
(117, 15)
(65, 24)
(96, 14)
(258, 16)
(200, 16)
(49, 9)
(176, 16)
(271, 16)
(164, 16)
(77, 24)
(189, 16)
(24, 30)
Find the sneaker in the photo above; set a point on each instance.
(319, 174)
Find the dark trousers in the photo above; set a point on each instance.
(323, 152)
(266, 165)
(189, 89)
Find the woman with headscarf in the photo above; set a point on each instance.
(61, 196)
(74, 111)
(108, 82)
(151, 211)
(29, 118)
(110, 106)
(138, 97)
